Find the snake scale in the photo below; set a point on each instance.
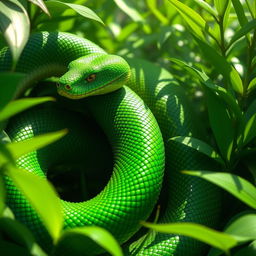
(129, 105)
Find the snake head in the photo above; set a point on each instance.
(93, 74)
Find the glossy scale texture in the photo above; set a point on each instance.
(138, 152)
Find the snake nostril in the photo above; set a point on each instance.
(58, 85)
(68, 87)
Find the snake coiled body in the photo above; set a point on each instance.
(141, 152)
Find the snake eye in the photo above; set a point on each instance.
(90, 78)
(68, 87)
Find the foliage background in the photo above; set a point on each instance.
(209, 47)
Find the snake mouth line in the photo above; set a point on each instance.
(89, 93)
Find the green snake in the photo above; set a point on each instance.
(129, 99)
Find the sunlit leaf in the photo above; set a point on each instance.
(220, 63)
(20, 148)
(9, 85)
(221, 6)
(252, 85)
(128, 7)
(17, 106)
(99, 235)
(195, 21)
(41, 4)
(199, 145)
(250, 129)
(243, 228)
(80, 9)
(237, 186)
(42, 197)
(222, 92)
(243, 31)
(212, 237)
(206, 7)
(15, 25)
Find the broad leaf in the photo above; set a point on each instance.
(99, 235)
(127, 7)
(243, 228)
(248, 250)
(252, 85)
(17, 106)
(200, 146)
(237, 186)
(15, 25)
(9, 86)
(80, 9)
(20, 148)
(20, 234)
(221, 124)
(152, 5)
(212, 237)
(42, 197)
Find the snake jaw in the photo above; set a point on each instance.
(94, 74)
(104, 89)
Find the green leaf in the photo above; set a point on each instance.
(21, 235)
(250, 130)
(17, 149)
(12, 249)
(222, 92)
(248, 250)
(243, 228)
(237, 186)
(152, 5)
(221, 6)
(97, 234)
(240, 12)
(80, 9)
(221, 124)
(15, 25)
(20, 148)
(252, 85)
(128, 7)
(206, 7)
(17, 106)
(42, 197)
(212, 237)
(194, 20)
(9, 85)
(41, 4)
(200, 146)
(222, 66)
(243, 31)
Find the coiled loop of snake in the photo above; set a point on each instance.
(136, 141)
